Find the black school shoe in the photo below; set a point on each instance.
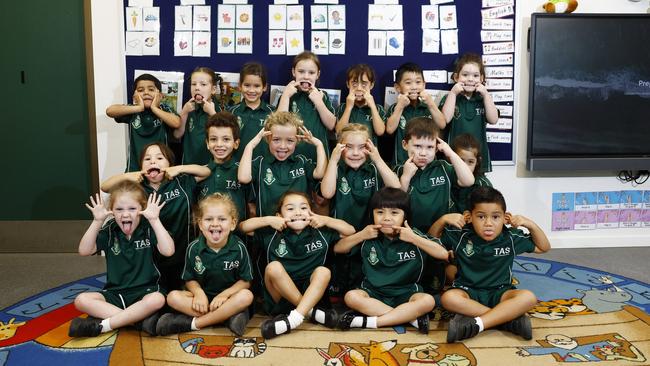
(461, 327)
(171, 323)
(331, 317)
(237, 323)
(520, 326)
(345, 320)
(268, 326)
(423, 323)
(148, 324)
(85, 327)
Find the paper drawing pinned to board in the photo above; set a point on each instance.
(182, 43)
(182, 18)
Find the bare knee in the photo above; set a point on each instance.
(243, 298)
(154, 301)
(425, 303)
(353, 299)
(174, 298)
(274, 269)
(451, 299)
(528, 297)
(82, 301)
(321, 274)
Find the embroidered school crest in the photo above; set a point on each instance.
(269, 178)
(281, 250)
(137, 123)
(239, 121)
(372, 257)
(116, 247)
(345, 187)
(198, 265)
(294, 107)
(456, 112)
(469, 248)
(402, 122)
(191, 124)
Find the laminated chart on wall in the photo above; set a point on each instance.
(142, 35)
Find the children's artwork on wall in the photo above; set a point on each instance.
(277, 17)
(449, 41)
(226, 16)
(232, 96)
(244, 42)
(133, 44)
(320, 42)
(182, 18)
(430, 17)
(337, 42)
(245, 16)
(295, 17)
(376, 16)
(336, 16)
(395, 43)
(133, 19)
(334, 95)
(318, 16)
(430, 41)
(376, 43)
(201, 18)
(201, 44)
(448, 17)
(182, 43)
(150, 43)
(295, 42)
(171, 84)
(226, 41)
(151, 19)
(277, 42)
(192, 2)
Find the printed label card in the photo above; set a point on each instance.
(501, 59)
(494, 3)
(277, 17)
(503, 96)
(151, 19)
(502, 124)
(436, 2)
(376, 43)
(498, 84)
(141, 3)
(504, 110)
(630, 218)
(201, 44)
(607, 219)
(562, 221)
(498, 47)
(244, 16)
(295, 42)
(395, 43)
(295, 17)
(632, 199)
(320, 42)
(225, 41)
(286, 2)
(609, 200)
(449, 41)
(563, 201)
(277, 42)
(498, 137)
(496, 35)
(387, 2)
(430, 17)
(504, 24)
(586, 201)
(133, 44)
(337, 42)
(318, 16)
(201, 18)
(584, 220)
(448, 17)
(326, 1)
(150, 44)
(182, 43)
(430, 41)
(336, 16)
(192, 2)
(183, 18)
(498, 12)
(133, 18)
(499, 72)
(435, 76)
(226, 16)
(244, 43)
(236, 2)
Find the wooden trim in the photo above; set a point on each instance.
(90, 87)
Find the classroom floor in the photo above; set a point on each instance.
(24, 275)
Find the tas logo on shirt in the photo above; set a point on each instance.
(116, 247)
(345, 187)
(230, 265)
(269, 178)
(469, 248)
(198, 265)
(281, 250)
(372, 257)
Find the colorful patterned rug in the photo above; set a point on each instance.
(583, 315)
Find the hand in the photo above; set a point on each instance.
(279, 223)
(450, 255)
(371, 231)
(455, 219)
(338, 151)
(136, 177)
(370, 100)
(156, 100)
(351, 98)
(100, 213)
(315, 95)
(209, 106)
(371, 151)
(152, 211)
(517, 220)
(317, 221)
(307, 136)
(217, 302)
(291, 89)
(200, 303)
(409, 168)
(258, 138)
(480, 87)
(405, 232)
(403, 100)
(443, 147)
(188, 107)
(457, 88)
(137, 100)
(428, 99)
(172, 171)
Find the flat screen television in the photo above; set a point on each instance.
(589, 100)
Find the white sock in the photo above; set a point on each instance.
(295, 318)
(357, 322)
(106, 325)
(480, 324)
(318, 315)
(193, 325)
(414, 323)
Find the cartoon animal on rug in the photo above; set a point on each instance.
(560, 6)
(593, 301)
(604, 347)
(222, 346)
(8, 330)
(378, 355)
(426, 354)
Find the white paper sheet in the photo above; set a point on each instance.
(182, 18)
(337, 42)
(376, 43)
(225, 41)
(244, 41)
(226, 15)
(201, 44)
(498, 12)
(430, 18)
(448, 17)
(133, 18)
(336, 16)
(498, 84)
(151, 19)
(244, 16)
(295, 17)
(430, 41)
(295, 42)
(133, 43)
(201, 18)
(498, 47)
(277, 42)
(504, 24)
(496, 35)
(150, 43)
(318, 16)
(499, 72)
(449, 41)
(182, 43)
(320, 42)
(500, 59)
(395, 43)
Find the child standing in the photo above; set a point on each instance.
(145, 117)
(312, 105)
(412, 101)
(393, 257)
(469, 150)
(202, 104)
(282, 170)
(252, 111)
(217, 273)
(483, 295)
(359, 106)
(468, 106)
(131, 293)
(295, 244)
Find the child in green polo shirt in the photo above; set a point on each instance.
(252, 111)
(217, 273)
(195, 113)
(482, 294)
(295, 244)
(350, 182)
(359, 106)
(468, 106)
(468, 148)
(392, 259)
(412, 101)
(131, 293)
(147, 117)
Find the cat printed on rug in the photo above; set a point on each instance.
(214, 346)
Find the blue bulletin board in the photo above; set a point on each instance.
(333, 67)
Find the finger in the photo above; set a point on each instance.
(406, 224)
(397, 229)
(89, 207)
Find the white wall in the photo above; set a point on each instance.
(526, 194)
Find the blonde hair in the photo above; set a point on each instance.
(213, 200)
(128, 187)
(306, 55)
(351, 128)
(282, 119)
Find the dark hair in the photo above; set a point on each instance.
(252, 68)
(407, 67)
(420, 127)
(485, 195)
(306, 55)
(148, 77)
(469, 58)
(388, 197)
(357, 71)
(465, 141)
(290, 193)
(223, 119)
(206, 70)
(164, 149)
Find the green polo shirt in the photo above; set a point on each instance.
(460, 194)
(419, 110)
(176, 215)
(129, 262)
(481, 264)
(363, 115)
(301, 105)
(354, 188)
(300, 253)
(251, 121)
(469, 117)
(430, 193)
(144, 128)
(223, 178)
(195, 150)
(272, 178)
(217, 271)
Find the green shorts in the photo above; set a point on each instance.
(489, 297)
(125, 298)
(392, 297)
(283, 306)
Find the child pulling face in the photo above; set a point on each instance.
(216, 223)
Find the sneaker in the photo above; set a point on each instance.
(268, 326)
(331, 317)
(171, 323)
(237, 323)
(461, 327)
(85, 327)
(148, 324)
(423, 323)
(520, 326)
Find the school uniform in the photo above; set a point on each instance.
(130, 269)
(301, 105)
(195, 150)
(144, 128)
(251, 121)
(419, 110)
(460, 195)
(223, 178)
(363, 115)
(218, 270)
(485, 268)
